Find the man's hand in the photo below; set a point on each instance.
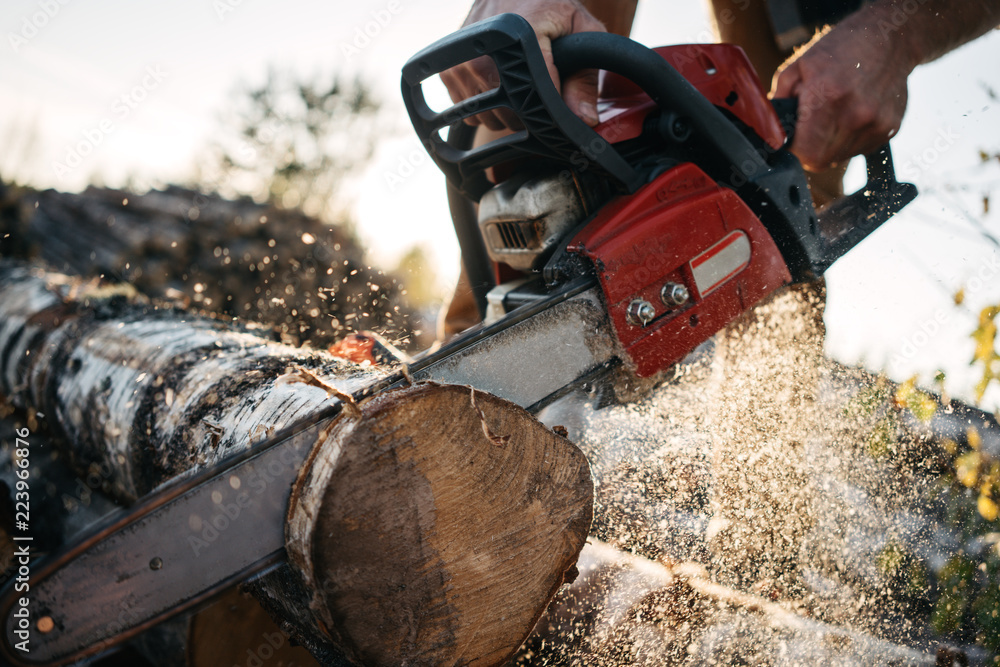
(851, 85)
(550, 19)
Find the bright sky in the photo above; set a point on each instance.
(148, 81)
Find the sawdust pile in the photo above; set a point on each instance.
(766, 528)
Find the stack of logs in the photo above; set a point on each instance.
(306, 279)
(431, 520)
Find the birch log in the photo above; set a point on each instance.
(431, 525)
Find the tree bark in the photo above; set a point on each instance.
(430, 525)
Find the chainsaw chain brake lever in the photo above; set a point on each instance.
(847, 221)
(524, 87)
(551, 129)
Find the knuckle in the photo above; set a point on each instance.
(865, 114)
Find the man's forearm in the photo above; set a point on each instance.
(928, 29)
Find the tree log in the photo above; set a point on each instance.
(430, 524)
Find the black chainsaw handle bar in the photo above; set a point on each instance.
(551, 129)
(848, 220)
(524, 86)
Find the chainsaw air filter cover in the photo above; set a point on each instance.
(524, 218)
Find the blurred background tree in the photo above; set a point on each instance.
(295, 143)
(289, 259)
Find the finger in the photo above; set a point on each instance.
(580, 93)
(467, 80)
(786, 81)
(457, 81)
(821, 140)
(545, 45)
(489, 119)
(508, 118)
(818, 128)
(814, 137)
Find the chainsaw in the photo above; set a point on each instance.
(618, 248)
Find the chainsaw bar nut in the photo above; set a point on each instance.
(641, 312)
(674, 294)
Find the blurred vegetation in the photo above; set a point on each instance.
(957, 590)
(961, 593)
(295, 143)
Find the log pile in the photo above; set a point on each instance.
(409, 521)
(306, 279)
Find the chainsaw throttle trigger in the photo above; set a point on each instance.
(550, 129)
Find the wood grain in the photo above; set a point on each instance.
(434, 529)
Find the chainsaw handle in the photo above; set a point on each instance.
(724, 152)
(551, 129)
(787, 109)
(846, 221)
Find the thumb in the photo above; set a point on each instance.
(786, 81)
(580, 93)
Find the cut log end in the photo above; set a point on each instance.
(435, 528)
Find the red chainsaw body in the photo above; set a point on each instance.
(684, 229)
(720, 72)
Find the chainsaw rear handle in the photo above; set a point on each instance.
(551, 129)
(847, 221)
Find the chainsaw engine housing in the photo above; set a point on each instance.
(684, 203)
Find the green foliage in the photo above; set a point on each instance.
(881, 441)
(869, 399)
(986, 607)
(985, 353)
(890, 559)
(955, 581)
(964, 594)
(922, 405)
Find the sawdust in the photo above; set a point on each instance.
(753, 466)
